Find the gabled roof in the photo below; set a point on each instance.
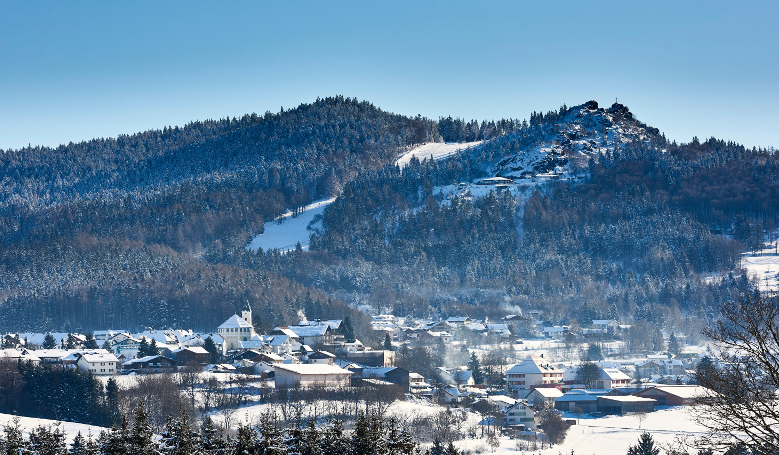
(195, 349)
(284, 331)
(235, 321)
(548, 392)
(681, 391)
(613, 374)
(313, 368)
(310, 330)
(534, 364)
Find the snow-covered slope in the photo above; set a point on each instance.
(436, 150)
(71, 429)
(584, 131)
(284, 236)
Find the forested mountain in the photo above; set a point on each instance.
(151, 229)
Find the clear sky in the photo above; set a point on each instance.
(71, 71)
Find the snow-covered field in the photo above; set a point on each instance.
(71, 429)
(765, 266)
(607, 435)
(292, 230)
(436, 150)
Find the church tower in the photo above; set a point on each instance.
(246, 314)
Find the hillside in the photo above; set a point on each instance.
(152, 229)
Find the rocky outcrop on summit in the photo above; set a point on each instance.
(566, 145)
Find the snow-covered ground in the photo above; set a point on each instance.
(71, 429)
(765, 266)
(436, 150)
(292, 230)
(610, 435)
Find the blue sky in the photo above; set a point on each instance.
(73, 71)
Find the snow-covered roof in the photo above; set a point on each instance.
(233, 322)
(195, 349)
(310, 330)
(683, 391)
(93, 357)
(613, 374)
(534, 364)
(313, 368)
(548, 392)
(285, 331)
(379, 372)
(627, 398)
(581, 395)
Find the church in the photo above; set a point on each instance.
(237, 329)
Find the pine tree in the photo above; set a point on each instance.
(211, 440)
(388, 342)
(178, 437)
(48, 440)
(70, 343)
(153, 349)
(399, 441)
(645, 446)
(361, 443)
(49, 342)
(141, 440)
(143, 348)
(90, 342)
(13, 442)
(210, 346)
(78, 446)
(673, 345)
(107, 346)
(475, 368)
(115, 440)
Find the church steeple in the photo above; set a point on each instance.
(246, 313)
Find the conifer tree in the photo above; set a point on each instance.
(475, 368)
(210, 346)
(645, 446)
(178, 437)
(141, 439)
(48, 440)
(13, 442)
(143, 348)
(387, 342)
(90, 342)
(211, 440)
(49, 342)
(153, 349)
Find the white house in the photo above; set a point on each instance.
(534, 370)
(543, 396)
(521, 414)
(308, 375)
(235, 330)
(99, 362)
(612, 377)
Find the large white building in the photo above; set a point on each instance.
(302, 375)
(236, 329)
(99, 362)
(532, 371)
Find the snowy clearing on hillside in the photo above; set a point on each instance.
(436, 150)
(71, 429)
(285, 236)
(764, 266)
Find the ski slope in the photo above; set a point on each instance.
(285, 236)
(436, 150)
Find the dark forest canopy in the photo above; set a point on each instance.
(150, 229)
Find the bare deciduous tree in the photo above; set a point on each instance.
(741, 404)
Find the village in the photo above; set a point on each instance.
(502, 382)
